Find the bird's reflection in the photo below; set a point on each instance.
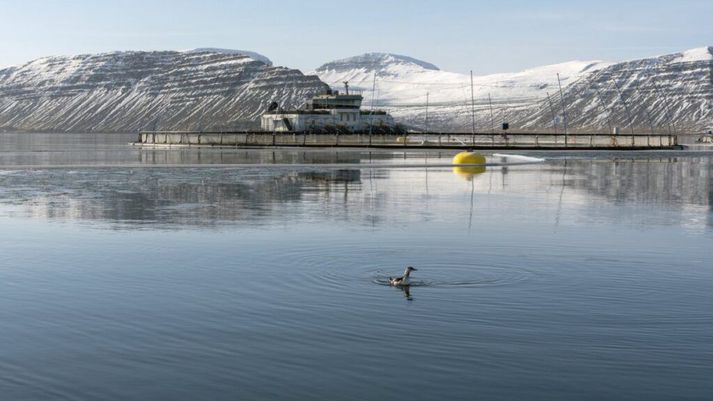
(406, 289)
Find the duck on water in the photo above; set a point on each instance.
(403, 280)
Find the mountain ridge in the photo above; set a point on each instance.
(369, 62)
(529, 99)
(134, 90)
(209, 88)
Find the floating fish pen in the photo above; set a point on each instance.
(379, 139)
(335, 119)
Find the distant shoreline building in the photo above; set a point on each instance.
(330, 111)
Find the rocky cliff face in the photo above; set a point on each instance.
(667, 93)
(204, 89)
(214, 89)
(672, 92)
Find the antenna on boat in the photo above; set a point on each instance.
(346, 87)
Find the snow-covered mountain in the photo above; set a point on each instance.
(219, 89)
(675, 89)
(127, 91)
(671, 93)
(403, 82)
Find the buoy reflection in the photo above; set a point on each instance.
(468, 172)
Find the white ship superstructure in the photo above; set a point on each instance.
(331, 110)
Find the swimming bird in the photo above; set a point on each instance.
(403, 280)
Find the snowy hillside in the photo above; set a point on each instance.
(128, 91)
(219, 89)
(403, 82)
(671, 93)
(666, 92)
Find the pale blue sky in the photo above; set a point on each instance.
(456, 35)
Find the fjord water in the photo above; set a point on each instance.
(148, 274)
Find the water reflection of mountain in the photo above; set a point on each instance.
(664, 181)
(184, 196)
(370, 196)
(183, 156)
(643, 185)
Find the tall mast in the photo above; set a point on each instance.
(472, 105)
(552, 109)
(564, 112)
(626, 107)
(371, 113)
(663, 95)
(492, 119)
(426, 112)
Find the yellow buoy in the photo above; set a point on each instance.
(468, 164)
(468, 158)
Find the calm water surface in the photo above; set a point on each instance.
(140, 274)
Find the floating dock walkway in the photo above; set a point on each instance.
(412, 140)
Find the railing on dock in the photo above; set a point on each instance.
(527, 140)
